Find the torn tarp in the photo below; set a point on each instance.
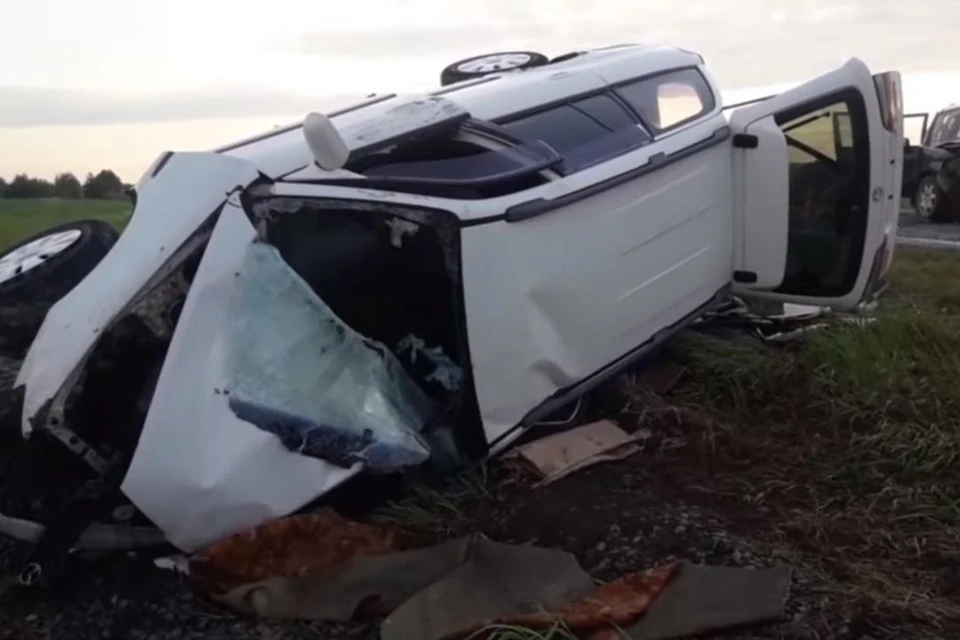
(296, 370)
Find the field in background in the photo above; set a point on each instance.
(20, 219)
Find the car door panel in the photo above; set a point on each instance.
(553, 299)
(814, 204)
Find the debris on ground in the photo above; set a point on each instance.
(702, 599)
(306, 544)
(325, 567)
(558, 455)
(662, 376)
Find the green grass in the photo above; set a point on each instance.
(841, 453)
(21, 219)
(850, 443)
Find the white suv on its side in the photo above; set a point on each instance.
(477, 258)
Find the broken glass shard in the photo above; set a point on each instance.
(299, 372)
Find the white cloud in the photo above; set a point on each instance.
(31, 107)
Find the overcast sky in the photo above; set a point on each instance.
(112, 83)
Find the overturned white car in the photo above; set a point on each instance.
(421, 278)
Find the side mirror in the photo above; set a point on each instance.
(906, 143)
(327, 147)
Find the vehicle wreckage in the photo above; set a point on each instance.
(420, 279)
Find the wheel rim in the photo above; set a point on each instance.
(33, 254)
(927, 199)
(495, 62)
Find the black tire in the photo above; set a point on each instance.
(520, 60)
(26, 297)
(929, 201)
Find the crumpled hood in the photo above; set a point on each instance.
(177, 195)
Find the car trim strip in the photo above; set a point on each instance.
(540, 206)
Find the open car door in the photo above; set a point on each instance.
(816, 174)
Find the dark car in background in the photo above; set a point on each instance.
(931, 169)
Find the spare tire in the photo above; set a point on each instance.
(488, 63)
(40, 270)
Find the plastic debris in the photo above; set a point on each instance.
(446, 372)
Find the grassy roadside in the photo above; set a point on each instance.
(840, 457)
(20, 219)
(846, 452)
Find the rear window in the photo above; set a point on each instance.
(584, 132)
(669, 100)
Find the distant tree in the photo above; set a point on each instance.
(66, 186)
(105, 184)
(3, 187)
(23, 186)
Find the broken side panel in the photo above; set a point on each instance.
(299, 372)
(390, 273)
(199, 472)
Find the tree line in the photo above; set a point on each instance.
(103, 185)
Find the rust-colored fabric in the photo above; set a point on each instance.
(616, 604)
(300, 545)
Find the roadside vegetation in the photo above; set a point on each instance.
(844, 452)
(839, 455)
(21, 218)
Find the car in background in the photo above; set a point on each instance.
(929, 170)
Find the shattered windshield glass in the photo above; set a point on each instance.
(299, 372)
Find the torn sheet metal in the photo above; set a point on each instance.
(297, 371)
(379, 124)
(199, 472)
(171, 206)
(419, 115)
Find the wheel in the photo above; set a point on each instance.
(40, 270)
(929, 201)
(486, 64)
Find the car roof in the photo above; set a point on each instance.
(499, 95)
(490, 97)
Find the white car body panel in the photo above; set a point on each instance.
(200, 472)
(283, 151)
(755, 196)
(551, 299)
(184, 194)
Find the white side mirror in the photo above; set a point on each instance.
(328, 148)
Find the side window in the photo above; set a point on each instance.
(828, 149)
(669, 100)
(945, 128)
(584, 132)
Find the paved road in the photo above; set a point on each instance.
(914, 231)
